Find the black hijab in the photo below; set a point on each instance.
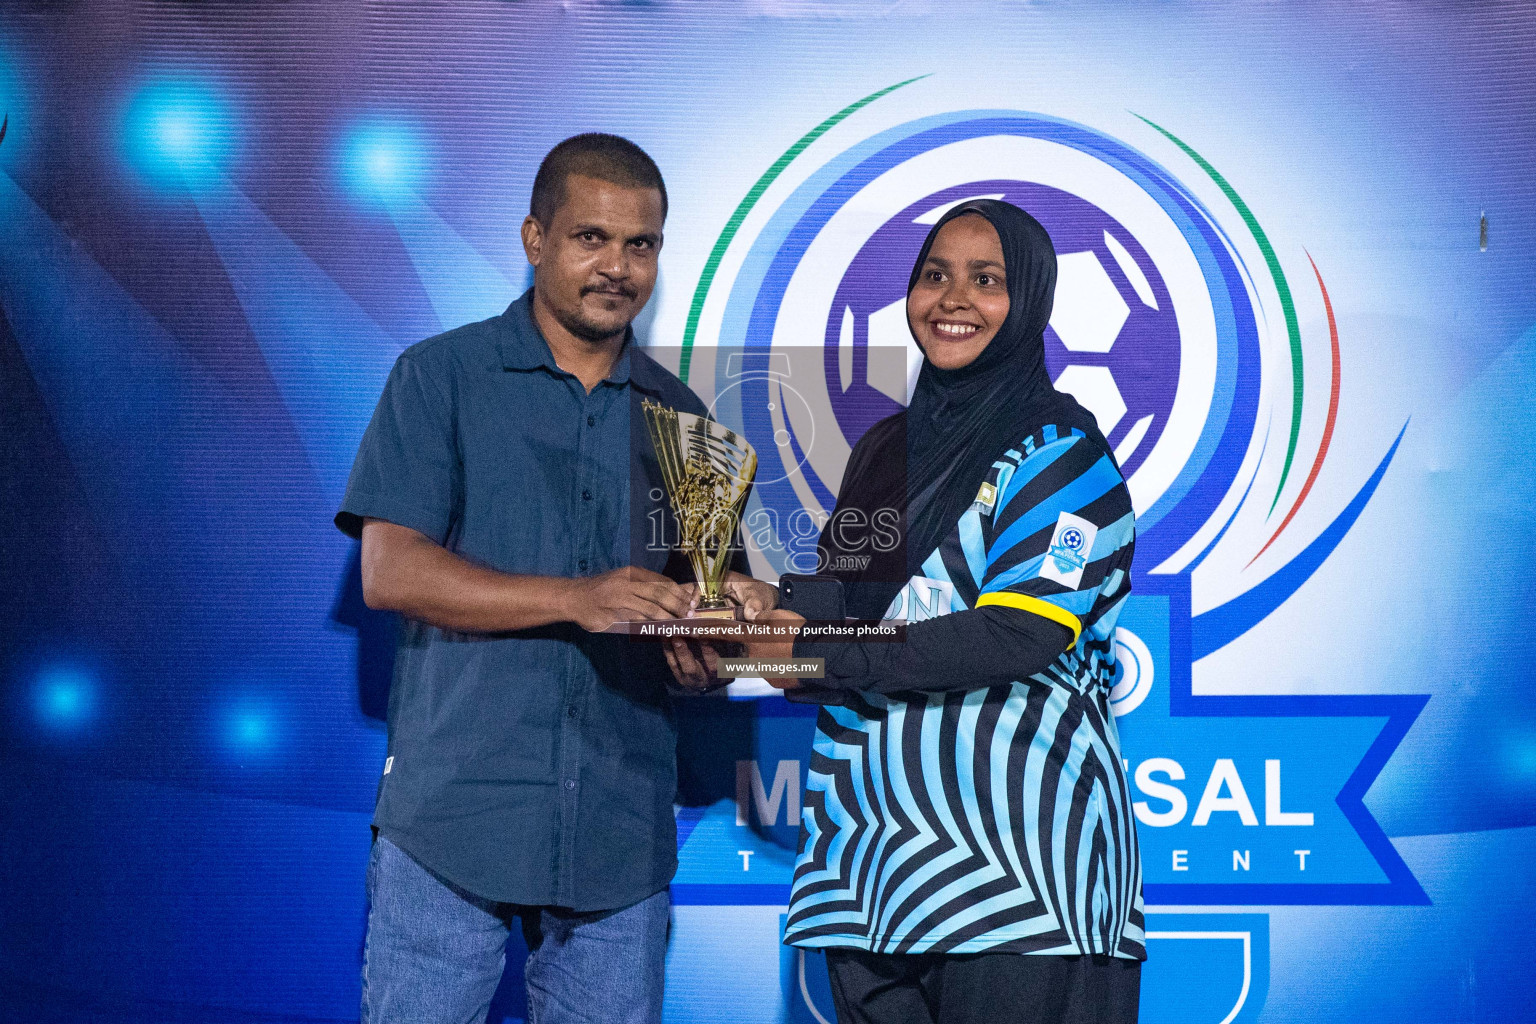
(929, 460)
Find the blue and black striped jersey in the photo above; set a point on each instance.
(997, 818)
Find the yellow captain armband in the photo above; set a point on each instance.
(1040, 607)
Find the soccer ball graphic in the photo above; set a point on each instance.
(1113, 340)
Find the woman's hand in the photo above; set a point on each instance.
(754, 596)
(777, 646)
(695, 663)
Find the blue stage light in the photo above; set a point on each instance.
(65, 699)
(384, 161)
(1525, 757)
(248, 728)
(178, 132)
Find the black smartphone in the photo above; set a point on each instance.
(819, 598)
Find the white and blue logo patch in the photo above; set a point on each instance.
(1071, 547)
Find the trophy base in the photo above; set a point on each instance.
(728, 613)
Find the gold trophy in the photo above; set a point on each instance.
(707, 470)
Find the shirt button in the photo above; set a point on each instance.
(571, 711)
(591, 421)
(582, 565)
(570, 783)
(586, 495)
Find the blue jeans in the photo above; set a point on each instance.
(435, 953)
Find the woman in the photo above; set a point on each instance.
(967, 848)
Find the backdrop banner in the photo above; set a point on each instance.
(1297, 290)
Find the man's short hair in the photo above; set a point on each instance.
(598, 155)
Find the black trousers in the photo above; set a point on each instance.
(983, 988)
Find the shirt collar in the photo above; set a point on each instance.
(523, 348)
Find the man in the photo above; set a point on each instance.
(531, 763)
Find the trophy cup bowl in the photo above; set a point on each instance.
(707, 470)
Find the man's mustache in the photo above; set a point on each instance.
(626, 291)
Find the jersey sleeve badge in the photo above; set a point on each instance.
(1070, 547)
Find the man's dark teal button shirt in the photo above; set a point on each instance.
(535, 767)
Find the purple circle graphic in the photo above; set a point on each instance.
(1122, 337)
